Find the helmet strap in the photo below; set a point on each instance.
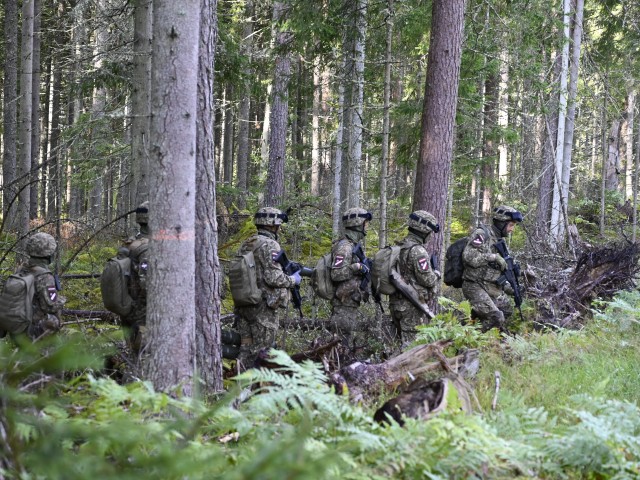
(500, 226)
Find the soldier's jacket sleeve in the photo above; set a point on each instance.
(479, 250)
(273, 276)
(46, 295)
(343, 266)
(418, 258)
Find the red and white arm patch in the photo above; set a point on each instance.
(478, 240)
(53, 293)
(338, 261)
(423, 263)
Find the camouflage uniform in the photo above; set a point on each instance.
(415, 268)
(47, 303)
(136, 320)
(489, 300)
(258, 324)
(347, 274)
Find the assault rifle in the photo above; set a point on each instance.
(289, 268)
(510, 274)
(366, 278)
(410, 293)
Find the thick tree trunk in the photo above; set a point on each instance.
(208, 274)
(10, 112)
(438, 116)
(274, 191)
(141, 101)
(171, 312)
(489, 150)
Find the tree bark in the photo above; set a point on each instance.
(35, 110)
(439, 111)
(25, 127)
(10, 111)
(208, 273)
(386, 102)
(274, 190)
(141, 100)
(171, 304)
(244, 110)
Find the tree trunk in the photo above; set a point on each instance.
(489, 150)
(354, 162)
(274, 190)
(613, 157)
(35, 110)
(244, 110)
(315, 129)
(386, 105)
(208, 276)
(628, 140)
(227, 137)
(25, 127)
(10, 112)
(171, 295)
(558, 227)
(337, 167)
(53, 166)
(439, 111)
(141, 100)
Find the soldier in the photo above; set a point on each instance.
(47, 303)
(138, 246)
(347, 273)
(483, 266)
(414, 266)
(258, 324)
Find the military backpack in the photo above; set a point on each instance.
(115, 283)
(321, 279)
(384, 262)
(453, 264)
(16, 301)
(243, 280)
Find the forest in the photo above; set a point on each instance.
(212, 109)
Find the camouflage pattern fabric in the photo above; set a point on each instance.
(489, 302)
(47, 303)
(415, 267)
(347, 323)
(135, 322)
(345, 274)
(258, 324)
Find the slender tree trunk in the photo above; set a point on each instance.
(141, 100)
(274, 190)
(337, 178)
(227, 149)
(244, 109)
(489, 150)
(10, 112)
(171, 319)
(54, 156)
(628, 139)
(35, 110)
(25, 126)
(386, 102)
(315, 129)
(438, 116)
(357, 108)
(44, 141)
(557, 219)
(208, 276)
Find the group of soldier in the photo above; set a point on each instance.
(483, 283)
(258, 324)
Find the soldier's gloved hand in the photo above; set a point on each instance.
(508, 289)
(364, 270)
(438, 274)
(296, 277)
(502, 263)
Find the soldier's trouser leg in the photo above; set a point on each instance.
(405, 320)
(257, 331)
(345, 321)
(484, 306)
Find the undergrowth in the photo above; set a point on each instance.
(566, 409)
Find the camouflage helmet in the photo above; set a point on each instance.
(423, 221)
(354, 217)
(41, 245)
(504, 213)
(270, 216)
(142, 213)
